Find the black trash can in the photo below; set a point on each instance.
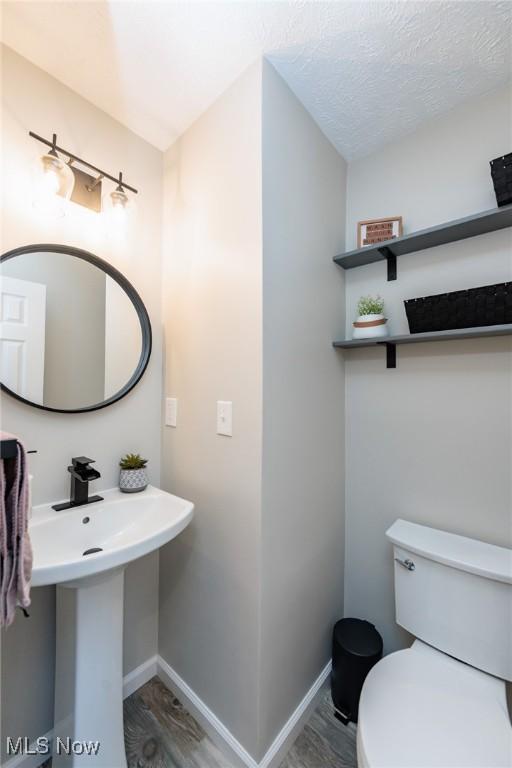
(356, 648)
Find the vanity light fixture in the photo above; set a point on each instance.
(72, 183)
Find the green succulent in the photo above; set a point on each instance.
(133, 461)
(370, 305)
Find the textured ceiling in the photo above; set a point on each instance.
(368, 72)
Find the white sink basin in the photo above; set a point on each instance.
(124, 526)
(90, 587)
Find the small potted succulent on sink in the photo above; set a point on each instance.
(132, 476)
(371, 322)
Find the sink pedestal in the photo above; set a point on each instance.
(89, 659)
(89, 672)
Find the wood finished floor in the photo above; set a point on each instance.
(160, 733)
(324, 742)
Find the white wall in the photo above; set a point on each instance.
(431, 440)
(209, 576)
(304, 181)
(32, 100)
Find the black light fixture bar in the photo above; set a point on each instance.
(75, 159)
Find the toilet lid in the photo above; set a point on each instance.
(422, 709)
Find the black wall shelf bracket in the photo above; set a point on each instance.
(391, 260)
(390, 355)
(453, 334)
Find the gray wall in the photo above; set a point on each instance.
(249, 593)
(431, 440)
(303, 402)
(32, 100)
(209, 576)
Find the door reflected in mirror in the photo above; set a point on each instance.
(74, 334)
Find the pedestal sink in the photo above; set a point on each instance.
(84, 551)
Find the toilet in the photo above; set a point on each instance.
(442, 702)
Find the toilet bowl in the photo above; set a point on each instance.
(442, 702)
(423, 709)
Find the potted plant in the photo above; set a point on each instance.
(371, 322)
(132, 476)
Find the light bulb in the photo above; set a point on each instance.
(119, 212)
(50, 182)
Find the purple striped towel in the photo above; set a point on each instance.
(15, 548)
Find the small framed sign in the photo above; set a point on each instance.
(376, 231)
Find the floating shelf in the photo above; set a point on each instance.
(449, 232)
(390, 342)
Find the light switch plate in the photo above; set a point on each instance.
(225, 418)
(171, 411)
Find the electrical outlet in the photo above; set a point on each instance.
(171, 411)
(225, 418)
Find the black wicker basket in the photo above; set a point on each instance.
(488, 305)
(501, 172)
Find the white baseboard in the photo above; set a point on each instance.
(131, 682)
(294, 725)
(218, 732)
(224, 738)
(140, 675)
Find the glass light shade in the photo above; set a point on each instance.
(119, 198)
(58, 177)
(118, 209)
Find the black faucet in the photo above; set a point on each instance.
(81, 474)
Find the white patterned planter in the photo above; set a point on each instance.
(369, 327)
(132, 480)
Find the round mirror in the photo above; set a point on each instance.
(74, 333)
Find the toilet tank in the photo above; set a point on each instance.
(455, 594)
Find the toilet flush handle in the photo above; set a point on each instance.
(406, 563)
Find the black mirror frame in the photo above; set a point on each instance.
(142, 314)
